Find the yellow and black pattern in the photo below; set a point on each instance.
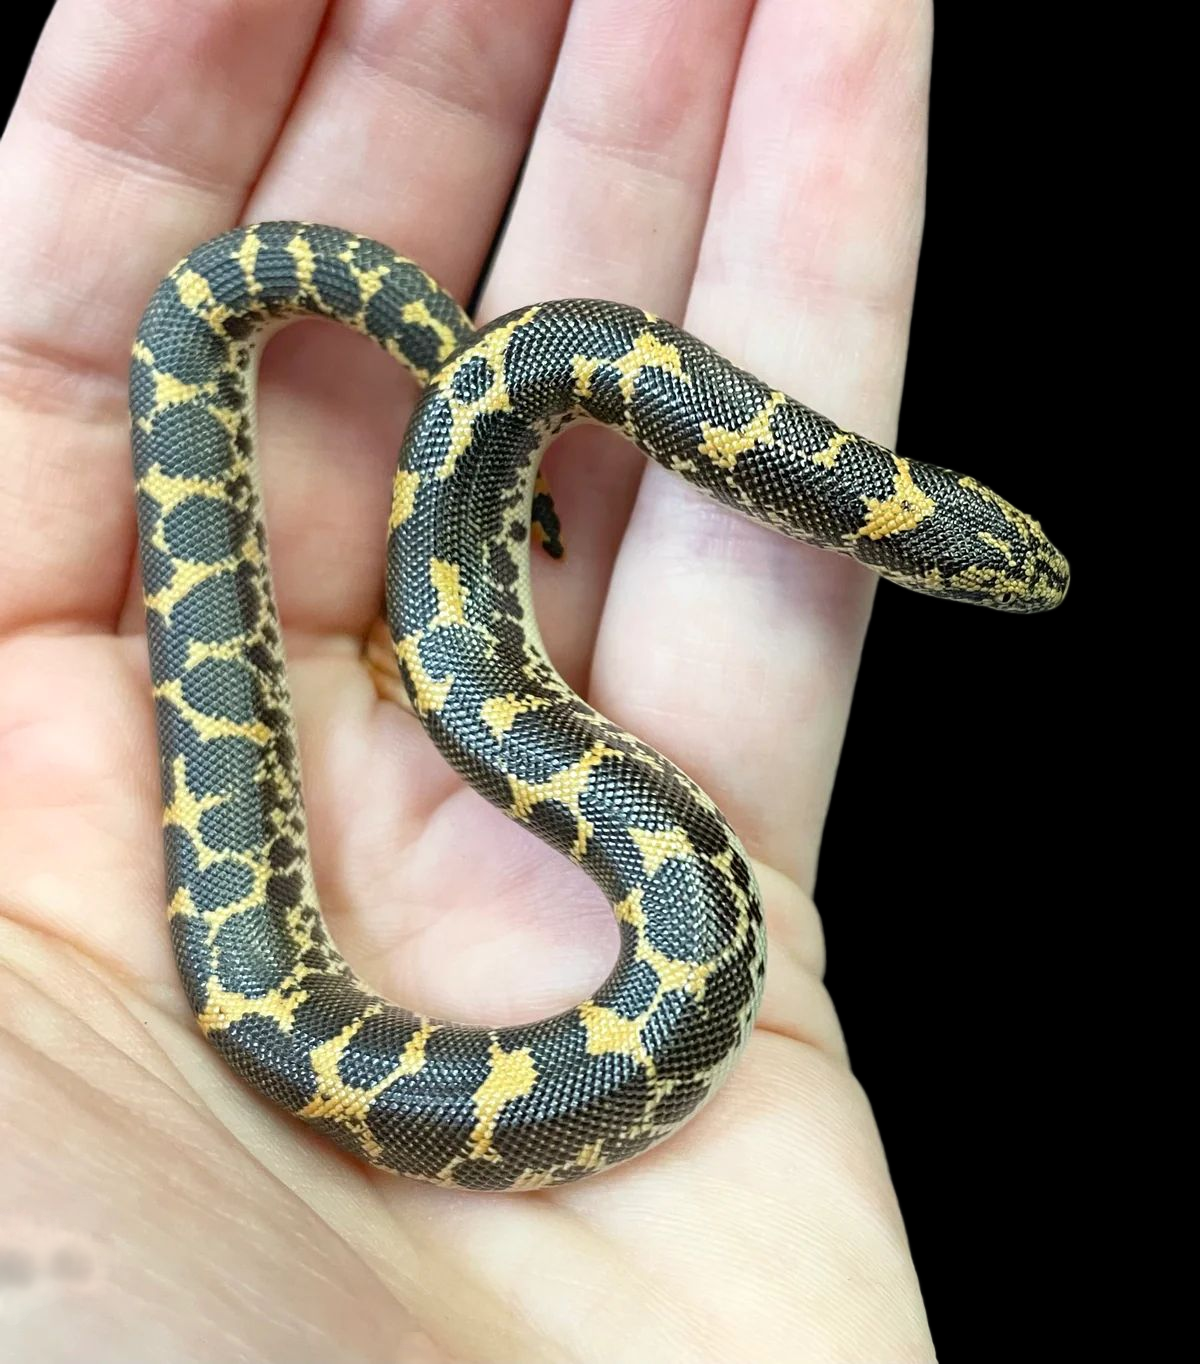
(506, 1108)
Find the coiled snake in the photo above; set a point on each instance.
(518, 1107)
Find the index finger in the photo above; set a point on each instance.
(805, 277)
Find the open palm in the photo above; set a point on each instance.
(753, 171)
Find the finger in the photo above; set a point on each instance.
(411, 127)
(746, 643)
(137, 132)
(612, 205)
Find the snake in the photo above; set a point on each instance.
(505, 1108)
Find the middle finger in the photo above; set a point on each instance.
(612, 204)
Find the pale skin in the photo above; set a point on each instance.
(752, 171)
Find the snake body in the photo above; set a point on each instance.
(502, 1108)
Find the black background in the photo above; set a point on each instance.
(962, 906)
(950, 880)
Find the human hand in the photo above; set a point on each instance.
(763, 186)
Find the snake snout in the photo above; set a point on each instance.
(1006, 560)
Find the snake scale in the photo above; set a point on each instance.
(503, 1108)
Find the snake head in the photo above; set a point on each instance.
(949, 535)
(1008, 561)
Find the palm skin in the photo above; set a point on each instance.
(752, 171)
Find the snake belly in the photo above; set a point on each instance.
(502, 1108)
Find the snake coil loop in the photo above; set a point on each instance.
(504, 1108)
